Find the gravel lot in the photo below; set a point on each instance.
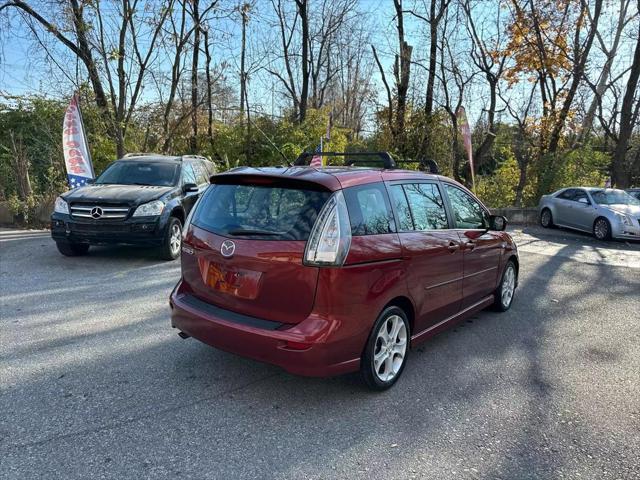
(95, 384)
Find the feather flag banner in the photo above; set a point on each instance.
(74, 144)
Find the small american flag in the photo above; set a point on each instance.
(316, 160)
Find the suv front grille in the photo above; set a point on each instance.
(99, 212)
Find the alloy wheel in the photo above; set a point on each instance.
(546, 218)
(601, 229)
(390, 348)
(175, 240)
(508, 286)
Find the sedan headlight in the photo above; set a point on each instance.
(624, 219)
(151, 209)
(61, 206)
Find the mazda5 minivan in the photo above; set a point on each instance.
(324, 271)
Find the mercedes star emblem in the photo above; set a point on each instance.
(96, 212)
(228, 248)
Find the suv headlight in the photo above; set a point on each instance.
(151, 209)
(624, 219)
(61, 206)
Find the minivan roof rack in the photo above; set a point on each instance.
(385, 157)
(387, 160)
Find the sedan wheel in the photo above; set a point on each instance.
(386, 351)
(546, 219)
(602, 229)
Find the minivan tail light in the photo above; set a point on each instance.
(330, 237)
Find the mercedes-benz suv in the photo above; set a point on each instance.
(141, 199)
(324, 271)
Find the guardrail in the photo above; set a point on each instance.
(521, 216)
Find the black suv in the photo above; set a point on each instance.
(141, 199)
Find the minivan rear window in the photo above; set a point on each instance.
(259, 212)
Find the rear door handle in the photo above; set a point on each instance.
(453, 246)
(470, 245)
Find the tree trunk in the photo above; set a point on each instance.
(193, 140)
(243, 47)
(620, 172)
(304, 92)
(433, 52)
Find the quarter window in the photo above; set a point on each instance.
(369, 210)
(468, 213)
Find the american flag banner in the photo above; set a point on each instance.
(316, 160)
(74, 144)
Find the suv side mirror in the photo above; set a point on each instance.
(498, 223)
(189, 188)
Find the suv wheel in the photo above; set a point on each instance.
(69, 249)
(385, 354)
(170, 249)
(506, 289)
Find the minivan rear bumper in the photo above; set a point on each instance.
(309, 348)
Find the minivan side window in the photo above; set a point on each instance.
(369, 209)
(426, 207)
(401, 205)
(467, 212)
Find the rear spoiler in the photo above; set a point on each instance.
(351, 159)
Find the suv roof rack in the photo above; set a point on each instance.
(142, 154)
(198, 157)
(387, 160)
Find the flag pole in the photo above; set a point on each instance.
(321, 150)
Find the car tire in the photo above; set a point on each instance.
(172, 242)
(503, 298)
(602, 229)
(546, 218)
(70, 249)
(385, 354)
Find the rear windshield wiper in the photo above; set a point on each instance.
(242, 231)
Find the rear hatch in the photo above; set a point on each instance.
(248, 236)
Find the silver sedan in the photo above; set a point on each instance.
(605, 212)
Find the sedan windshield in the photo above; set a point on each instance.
(159, 174)
(613, 197)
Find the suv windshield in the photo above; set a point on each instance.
(262, 212)
(613, 197)
(159, 174)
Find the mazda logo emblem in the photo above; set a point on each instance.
(228, 248)
(96, 212)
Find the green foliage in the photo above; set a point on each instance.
(268, 141)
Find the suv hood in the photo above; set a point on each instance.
(623, 208)
(130, 194)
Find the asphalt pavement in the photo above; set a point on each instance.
(95, 384)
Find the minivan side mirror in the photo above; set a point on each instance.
(189, 188)
(498, 223)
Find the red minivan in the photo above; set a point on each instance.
(324, 271)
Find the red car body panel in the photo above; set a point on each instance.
(265, 303)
